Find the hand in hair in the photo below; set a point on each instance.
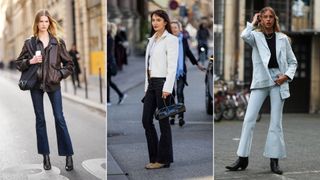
(256, 19)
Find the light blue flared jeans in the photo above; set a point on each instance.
(275, 146)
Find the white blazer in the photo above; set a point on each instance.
(164, 59)
(261, 55)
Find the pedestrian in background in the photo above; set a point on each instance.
(181, 75)
(76, 70)
(50, 73)
(202, 36)
(111, 65)
(274, 66)
(120, 46)
(185, 33)
(160, 73)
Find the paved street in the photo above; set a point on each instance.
(18, 151)
(301, 133)
(192, 144)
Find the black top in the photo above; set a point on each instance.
(271, 41)
(110, 43)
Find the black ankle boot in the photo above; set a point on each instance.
(181, 122)
(46, 162)
(69, 163)
(274, 166)
(171, 119)
(241, 162)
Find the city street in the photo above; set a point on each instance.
(18, 148)
(192, 144)
(301, 134)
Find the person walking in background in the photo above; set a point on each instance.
(274, 66)
(202, 37)
(53, 52)
(185, 33)
(181, 75)
(76, 70)
(160, 74)
(120, 46)
(111, 65)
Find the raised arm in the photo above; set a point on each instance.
(247, 34)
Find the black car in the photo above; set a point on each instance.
(209, 87)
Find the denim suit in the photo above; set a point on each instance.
(260, 58)
(263, 85)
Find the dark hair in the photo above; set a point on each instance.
(161, 13)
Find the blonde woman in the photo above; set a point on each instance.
(53, 53)
(274, 66)
(181, 76)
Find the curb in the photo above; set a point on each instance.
(97, 106)
(114, 172)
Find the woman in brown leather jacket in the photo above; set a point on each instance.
(50, 54)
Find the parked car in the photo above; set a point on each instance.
(209, 87)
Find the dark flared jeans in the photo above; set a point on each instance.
(160, 150)
(63, 138)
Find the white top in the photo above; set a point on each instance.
(163, 59)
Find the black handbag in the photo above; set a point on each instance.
(28, 78)
(168, 111)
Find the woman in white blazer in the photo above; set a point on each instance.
(274, 66)
(161, 64)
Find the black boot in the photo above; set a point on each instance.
(69, 163)
(181, 122)
(46, 162)
(241, 162)
(274, 166)
(171, 119)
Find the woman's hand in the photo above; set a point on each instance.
(255, 19)
(36, 60)
(201, 68)
(281, 79)
(165, 94)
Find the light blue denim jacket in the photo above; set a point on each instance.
(261, 55)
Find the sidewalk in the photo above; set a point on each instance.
(131, 76)
(134, 70)
(126, 140)
(301, 135)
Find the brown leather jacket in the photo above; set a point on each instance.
(56, 63)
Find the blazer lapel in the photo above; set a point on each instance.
(151, 39)
(263, 40)
(279, 44)
(263, 48)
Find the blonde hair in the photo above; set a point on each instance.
(112, 28)
(276, 26)
(177, 23)
(53, 28)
